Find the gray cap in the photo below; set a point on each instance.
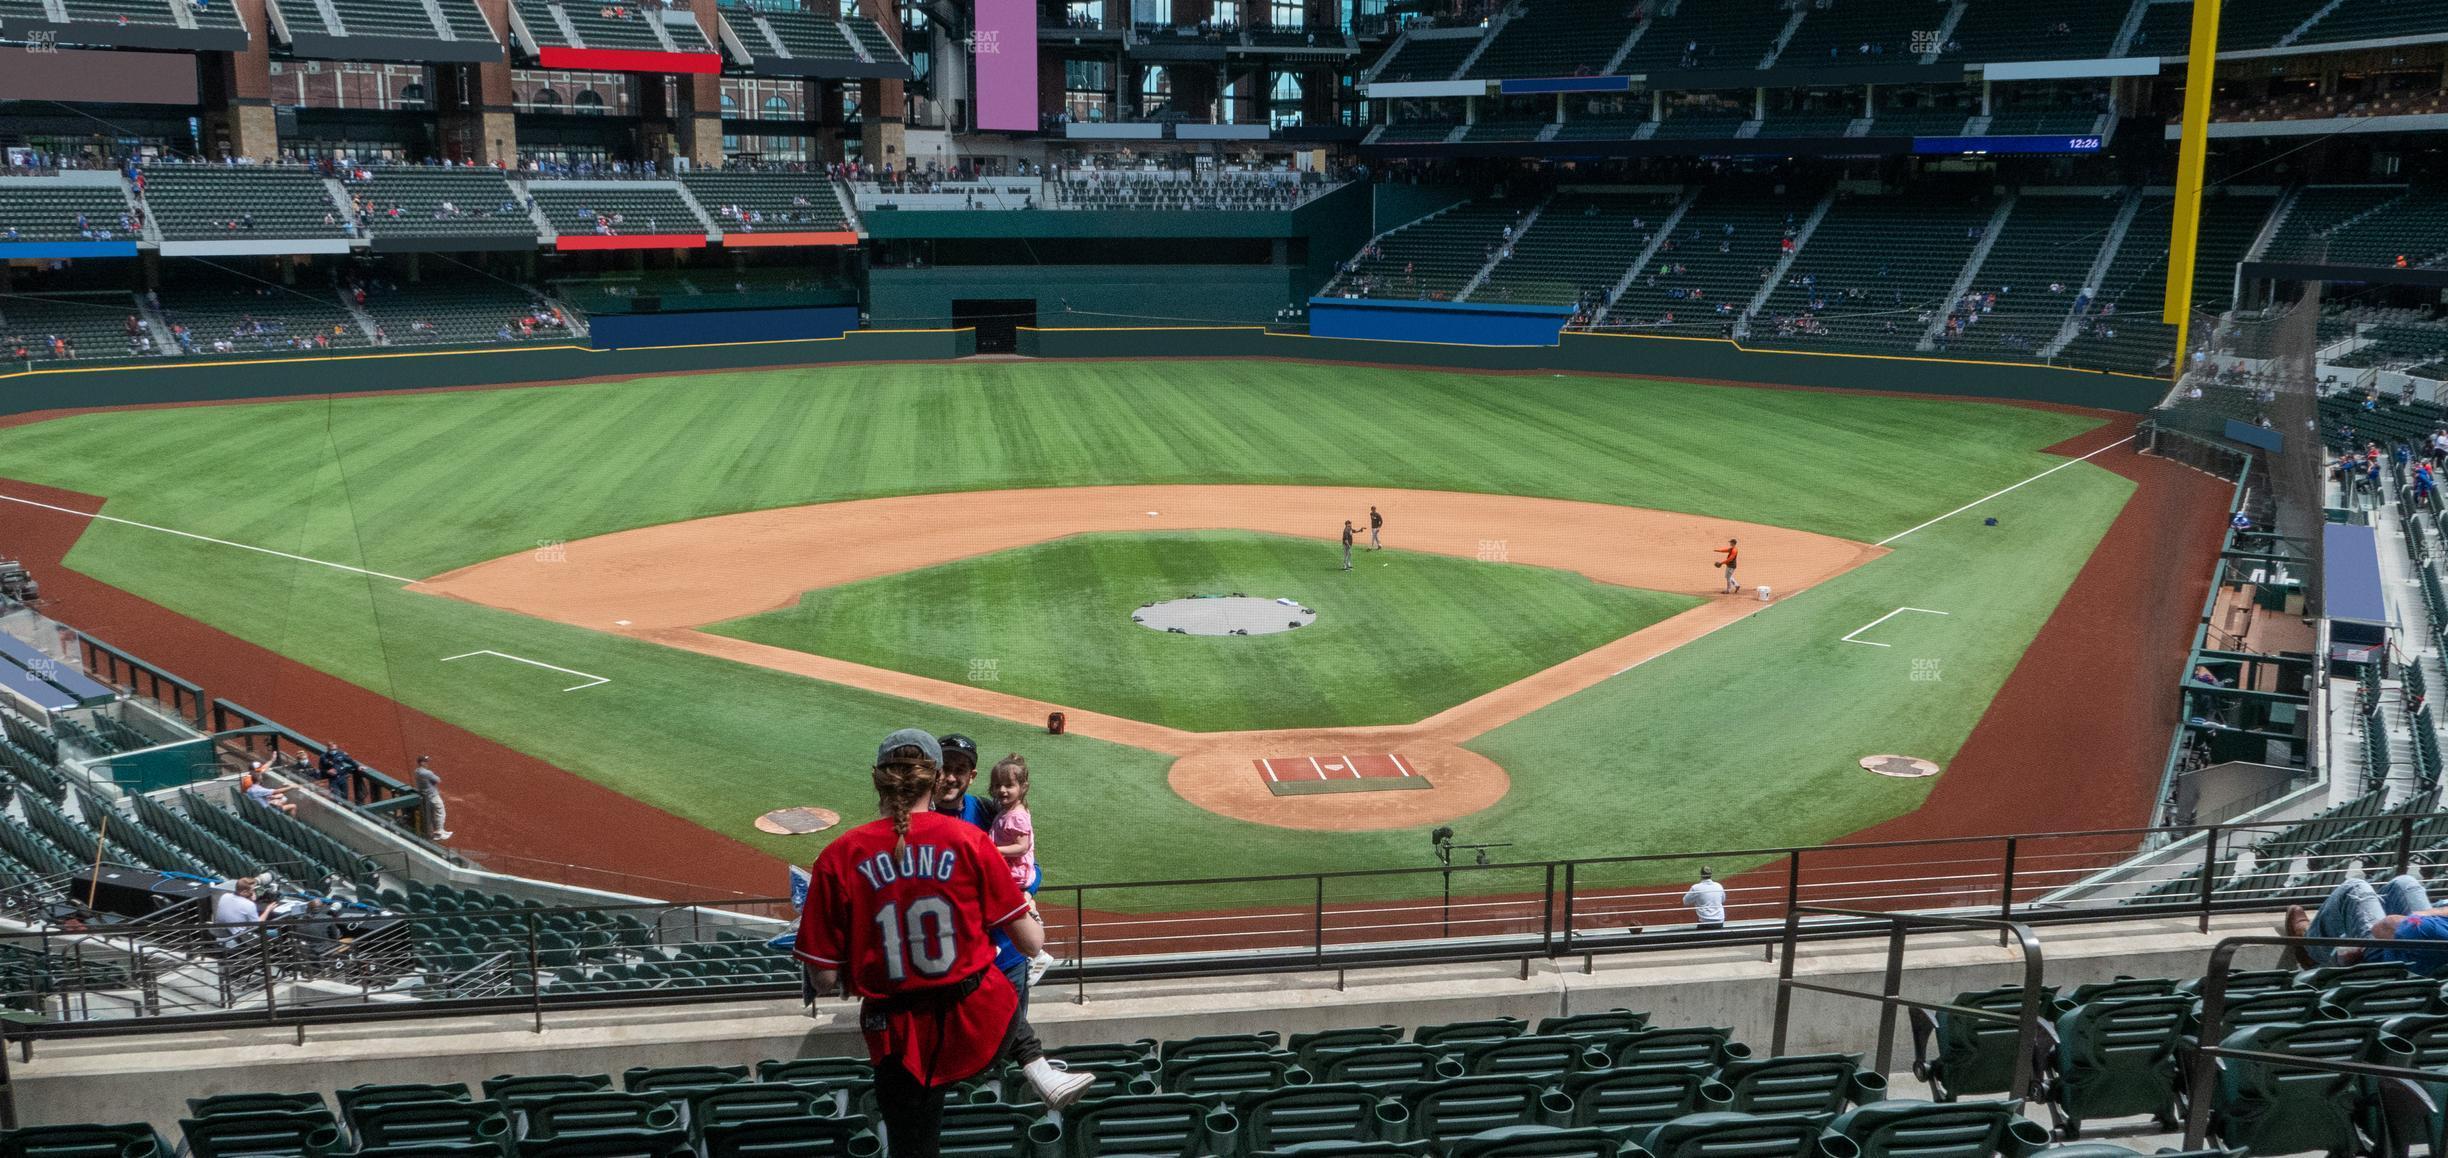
(917, 738)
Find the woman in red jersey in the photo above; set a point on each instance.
(899, 908)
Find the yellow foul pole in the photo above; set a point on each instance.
(2192, 160)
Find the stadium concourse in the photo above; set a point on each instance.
(607, 420)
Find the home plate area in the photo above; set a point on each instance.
(1309, 775)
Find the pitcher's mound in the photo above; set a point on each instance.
(1224, 615)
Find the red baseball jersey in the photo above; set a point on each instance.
(897, 924)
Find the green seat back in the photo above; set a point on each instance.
(2329, 976)
(2385, 998)
(1799, 1083)
(220, 1104)
(355, 1098)
(298, 1134)
(1137, 1124)
(1602, 1023)
(1711, 1046)
(1732, 1135)
(1293, 1115)
(1545, 1056)
(1306, 1047)
(1112, 1081)
(403, 1123)
(131, 1140)
(2259, 980)
(2121, 987)
(1227, 1074)
(1914, 1129)
(801, 1137)
(598, 1112)
(2117, 1058)
(629, 1143)
(1977, 1055)
(1443, 1111)
(2272, 1108)
(1635, 1098)
(985, 1130)
(1455, 1033)
(1208, 1045)
(753, 1102)
(1139, 1053)
(1538, 1142)
(2269, 1007)
(649, 1079)
(513, 1089)
(1384, 1066)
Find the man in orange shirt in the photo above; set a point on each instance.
(1730, 550)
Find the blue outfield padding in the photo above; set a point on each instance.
(64, 250)
(701, 327)
(1455, 323)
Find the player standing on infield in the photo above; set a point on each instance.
(899, 907)
(1730, 550)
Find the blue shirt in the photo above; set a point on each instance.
(2426, 962)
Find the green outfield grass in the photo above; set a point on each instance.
(1742, 738)
(1401, 639)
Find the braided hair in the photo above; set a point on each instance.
(901, 786)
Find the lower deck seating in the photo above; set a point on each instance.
(1701, 279)
(1581, 245)
(2036, 269)
(461, 313)
(1873, 273)
(259, 319)
(1436, 258)
(46, 327)
(638, 207)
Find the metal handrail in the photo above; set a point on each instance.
(1890, 997)
(2207, 1052)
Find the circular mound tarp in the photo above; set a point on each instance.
(1224, 615)
(1901, 767)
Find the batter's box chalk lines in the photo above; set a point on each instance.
(206, 539)
(592, 680)
(2003, 490)
(1848, 638)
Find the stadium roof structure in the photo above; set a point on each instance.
(443, 32)
(178, 25)
(611, 38)
(812, 45)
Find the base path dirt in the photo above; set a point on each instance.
(663, 583)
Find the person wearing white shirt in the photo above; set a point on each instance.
(234, 914)
(1707, 900)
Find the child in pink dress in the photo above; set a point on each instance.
(1015, 835)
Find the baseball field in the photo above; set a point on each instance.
(711, 594)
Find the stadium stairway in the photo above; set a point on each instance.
(1784, 266)
(1648, 255)
(1971, 269)
(1505, 251)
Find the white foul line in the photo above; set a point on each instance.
(1848, 638)
(1347, 763)
(595, 679)
(1313, 766)
(207, 539)
(1270, 770)
(1396, 757)
(1993, 494)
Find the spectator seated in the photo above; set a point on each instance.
(472, 205)
(745, 204)
(462, 313)
(259, 319)
(1581, 245)
(1859, 284)
(1431, 260)
(53, 327)
(241, 203)
(35, 209)
(2034, 275)
(638, 208)
(1556, 38)
(1702, 278)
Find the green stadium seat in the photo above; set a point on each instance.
(1799, 1084)
(1632, 1099)
(753, 1102)
(2385, 998)
(222, 1104)
(1605, 1023)
(2270, 1007)
(650, 1079)
(2115, 1058)
(1276, 1119)
(1732, 1135)
(610, 1143)
(987, 1130)
(1545, 1057)
(800, 1137)
(1711, 1046)
(1229, 1074)
(814, 1069)
(1915, 1129)
(410, 1123)
(1442, 1111)
(1113, 1080)
(595, 1113)
(300, 1134)
(1307, 1046)
(2270, 1108)
(1540, 1142)
(1140, 1053)
(132, 1140)
(1386, 1066)
(2119, 988)
(1215, 1043)
(1967, 1055)
(1456, 1033)
(1137, 1124)
(1348, 1150)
